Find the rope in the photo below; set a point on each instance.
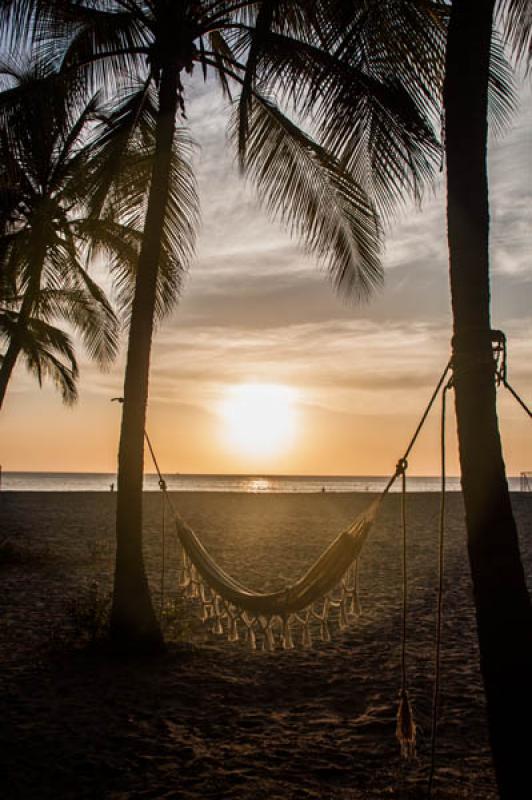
(162, 486)
(406, 727)
(166, 499)
(439, 612)
(162, 482)
(516, 396)
(405, 583)
(402, 464)
(500, 352)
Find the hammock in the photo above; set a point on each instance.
(331, 580)
(330, 587)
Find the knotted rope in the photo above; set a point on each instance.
(500, 351)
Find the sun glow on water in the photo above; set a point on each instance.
(259, 419)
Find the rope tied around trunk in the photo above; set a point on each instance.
(500, 352)
(493, 359)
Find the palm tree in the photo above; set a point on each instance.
(503, 610)
(47, 351)
(258, 51)
(476, 82)
(45, 170)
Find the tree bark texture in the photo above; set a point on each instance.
(503, 610)
(134, 626)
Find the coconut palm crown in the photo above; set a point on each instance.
(43, 177)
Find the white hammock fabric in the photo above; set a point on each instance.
(327, 590)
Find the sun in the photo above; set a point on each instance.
(259, 418)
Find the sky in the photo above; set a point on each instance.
(337, 388)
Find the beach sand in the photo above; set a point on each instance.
(212, 719)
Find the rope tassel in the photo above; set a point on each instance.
(406, 727)
(342, 616)
(252, 639)
(218, 627)
(306, 639)
(288, 642)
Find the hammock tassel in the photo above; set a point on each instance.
(184, 578)
(184, 572)
(232, 632)
(324, 631)
(218, 627)
(288, 642)
(218, 606)
(342, 618)
(193, 584)
(356, 598)
(306, 639)
(406, 727)
(206, 603)
(252, 638)
(269, 640)
(355, 603)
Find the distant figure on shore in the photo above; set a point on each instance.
(323, 488)
(112, 487)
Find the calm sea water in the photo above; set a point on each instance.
(98, 482)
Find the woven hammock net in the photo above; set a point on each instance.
(326, 593)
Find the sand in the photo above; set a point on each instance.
(212, 719)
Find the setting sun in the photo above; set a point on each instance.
(260, 419)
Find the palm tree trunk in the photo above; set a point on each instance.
(8, 365)
(503, 610)
(15, 345)
(133, 626)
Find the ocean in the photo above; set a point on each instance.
(101, 482)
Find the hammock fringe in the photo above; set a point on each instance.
(328, 592)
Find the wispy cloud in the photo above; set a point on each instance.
(255, 308)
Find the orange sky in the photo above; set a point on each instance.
(257, 310)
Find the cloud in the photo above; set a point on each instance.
(256, 308)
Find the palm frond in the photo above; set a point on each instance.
(367, 116)
(502, 96)
(223, 55)
(257, 40)
(515, 17)
(99, 42)
(304, 187)
(121, 153)
(48, 352)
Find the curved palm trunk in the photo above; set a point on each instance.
(13, 351)
(134, 626)
(504, 616)
(8, 365)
